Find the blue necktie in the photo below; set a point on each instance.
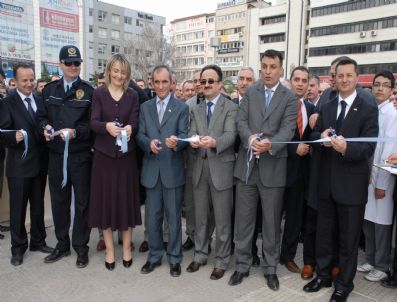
(268, 98)
(341, 117)
(209, 113)
(30, 108)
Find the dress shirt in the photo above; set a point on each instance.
(65, 84)
(213, 102)
(273, 89)
(165, 102)
(304, 115)
(349, 101)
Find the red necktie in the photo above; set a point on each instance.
(300, 118)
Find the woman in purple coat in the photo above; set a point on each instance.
(114, 200)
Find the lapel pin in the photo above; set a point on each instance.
(169, 110)
(355, 109)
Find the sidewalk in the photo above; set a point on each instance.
(62, 281)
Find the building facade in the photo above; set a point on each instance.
(190, 38)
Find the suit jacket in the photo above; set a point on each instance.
(346, 177)
(168, 164)
(14, 115)
(189, 156)
(298, 166)
(278, 123)
(222, 128)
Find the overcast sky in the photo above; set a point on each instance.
(171, 9)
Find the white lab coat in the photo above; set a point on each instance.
(380, 211)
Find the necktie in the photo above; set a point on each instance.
(209, 113)
(67, 88)
(300, 118)
(268, 98)
(30, 108)
(341, 117)
(161, 111)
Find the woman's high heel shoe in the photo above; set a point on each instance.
(110, 266)
(126, 263)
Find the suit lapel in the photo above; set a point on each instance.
(203, 116)
(333, 110)
(21, 108)
(351, 114)
(274, 101)
(154, 114)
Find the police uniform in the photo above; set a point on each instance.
(69, 109)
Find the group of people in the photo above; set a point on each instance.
(238, 165)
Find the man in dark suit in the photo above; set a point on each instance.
(161, 121)
(297, 172)
(267, 113)
(26, 175)
(215, 122)
(343, 179)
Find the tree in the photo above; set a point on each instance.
(148, 49)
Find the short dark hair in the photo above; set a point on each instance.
(159, 67)
(301, 68)
(216, 68)
(347, 61)
(18, 66)
(315, 77)
(139, 80)
(101, 75)
(187, 82)
(41, 81)
(338, 59)
(272, 53)
(386, 74)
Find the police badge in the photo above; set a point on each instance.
(79, 94)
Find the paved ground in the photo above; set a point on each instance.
(62, 281)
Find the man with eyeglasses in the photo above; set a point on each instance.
(214, 121)
(378, 219)
(66, 110)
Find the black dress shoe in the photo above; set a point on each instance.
(149, 267)
(127, 263)
(339, 296)
(175, 270)
(16, 259)
(194, 266)
(144, 247)
(4, 228)
(390, 282)
(316, 284)
(217, 274)
(110, 265)
(82, 261)
(272, 281)
(255, 260)
(42, 248)
(56, 255)
(237, 277)
(188, 245)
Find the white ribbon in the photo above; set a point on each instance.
(124, 141)
(65, 157)
(25, 140)
(192, 139)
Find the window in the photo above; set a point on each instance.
(148, 53)
(102, 16)
(127, 20)
(101, 64)
(115, 49)
(90, 29)
(115, 34)
(115, 19)
(90, 12)
(273, 19)
(102, 32)
(139, 23)
(273, 38)
(102, 48)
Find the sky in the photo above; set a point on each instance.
(171, 9)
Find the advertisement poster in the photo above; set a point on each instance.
(16, 32)
(59, 26)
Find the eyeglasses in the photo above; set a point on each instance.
(209, 81)
(75, 63)
(383, 85)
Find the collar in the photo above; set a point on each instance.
(23, 97)
(69, 83)
(273, 89)
(382, 107)
(349, 100)
(239, 97)
(214, 100)
(165, 101)
(316, 101)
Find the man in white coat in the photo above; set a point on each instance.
(378, 217)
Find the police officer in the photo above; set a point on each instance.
(66, 111)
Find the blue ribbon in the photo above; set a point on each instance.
(124, 141)
(25, 140)
(65, 158)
